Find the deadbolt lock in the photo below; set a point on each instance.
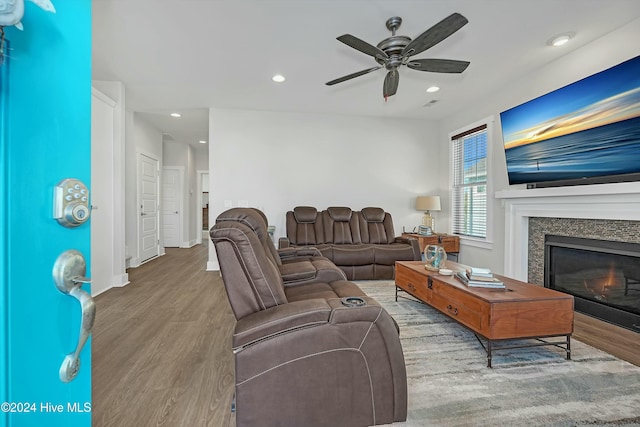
(71, 203)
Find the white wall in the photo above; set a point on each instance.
(599, 55)
(283, 160)
(141, 137)
(202, 158)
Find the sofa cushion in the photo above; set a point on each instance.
(304, 226)
(340, 226)
(353, 255)
(340, 214)
(389, 254)
(373, 214)
(305, 214)
(376, 226)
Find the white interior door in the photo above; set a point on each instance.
(149, 244)
(171, 206)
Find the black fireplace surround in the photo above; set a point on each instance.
(602, 275)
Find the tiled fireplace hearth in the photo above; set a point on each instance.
(601, 229)
(605, 211)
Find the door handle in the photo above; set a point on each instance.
(143, 213)
(68, 275)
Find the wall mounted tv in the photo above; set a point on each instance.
(585, 133)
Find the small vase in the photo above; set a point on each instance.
(435, 256)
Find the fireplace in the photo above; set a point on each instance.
(602, 275)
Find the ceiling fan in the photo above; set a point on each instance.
(395, 51)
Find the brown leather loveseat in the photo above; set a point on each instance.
(316, 353)
(361, 243)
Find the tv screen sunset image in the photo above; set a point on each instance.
(587, 129)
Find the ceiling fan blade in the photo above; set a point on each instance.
(390, 86)
(438, 65)
(362, 46)
(351, 76)
(435, 34)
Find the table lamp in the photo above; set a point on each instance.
(428, 204)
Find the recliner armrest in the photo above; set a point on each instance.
(291, 252)
(283, 242)
(400, 239)
(343, 314)
(280, 318)
(415, 245)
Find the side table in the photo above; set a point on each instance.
(450, 243)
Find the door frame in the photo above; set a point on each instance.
(114, 92)
(181, 210)
(199, 219)
(102, 183)
(136, 262)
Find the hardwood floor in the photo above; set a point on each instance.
(162, 347)
(620, 342)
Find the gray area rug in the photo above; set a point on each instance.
(449, 383)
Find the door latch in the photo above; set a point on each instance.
(68, 275)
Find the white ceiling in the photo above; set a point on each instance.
(189, 55)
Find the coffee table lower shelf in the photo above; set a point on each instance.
(491, 347)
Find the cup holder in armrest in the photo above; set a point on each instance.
(353, 302)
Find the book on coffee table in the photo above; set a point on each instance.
(485, 283)
(481, 277)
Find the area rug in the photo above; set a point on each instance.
(449, 383)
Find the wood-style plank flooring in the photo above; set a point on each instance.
(162, 347)
(620, 342)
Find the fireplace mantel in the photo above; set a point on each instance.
(620, 201)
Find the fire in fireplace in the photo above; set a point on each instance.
(602, 275)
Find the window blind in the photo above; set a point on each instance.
(469, 193)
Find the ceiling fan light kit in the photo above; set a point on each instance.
(397, 50)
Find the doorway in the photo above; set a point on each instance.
(149, 238)
(172, 203)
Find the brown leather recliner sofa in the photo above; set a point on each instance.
(314, 353)
(361, 243)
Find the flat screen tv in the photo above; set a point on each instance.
(584, 133)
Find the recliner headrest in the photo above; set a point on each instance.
(340, 214)
(251, 217)
(304, 214)
(373, 214)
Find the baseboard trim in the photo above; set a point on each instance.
(213, 266)
(120, 280)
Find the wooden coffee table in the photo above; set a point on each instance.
(521, 311)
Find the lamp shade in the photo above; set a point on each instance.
(428, 203)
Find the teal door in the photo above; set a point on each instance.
(45, 102)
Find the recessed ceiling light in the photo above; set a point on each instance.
(202, 141)
(278, 78)
(560, 39)
(432, 89)
(176, 115)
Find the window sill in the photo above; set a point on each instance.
(476, 243)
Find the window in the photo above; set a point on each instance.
(469, 183)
